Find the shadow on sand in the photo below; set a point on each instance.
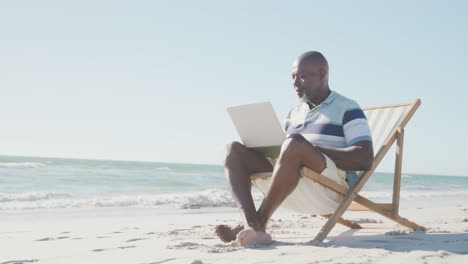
(397, 242)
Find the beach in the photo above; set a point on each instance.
(134, 214)
(145, 237)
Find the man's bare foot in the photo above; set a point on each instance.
(249, 236)
(246, 237)
(263, 238)
(226, 233)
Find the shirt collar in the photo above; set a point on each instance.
(330, 98)
(327, 100)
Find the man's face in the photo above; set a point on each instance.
(307, 80)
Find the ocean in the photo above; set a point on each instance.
(34, 184)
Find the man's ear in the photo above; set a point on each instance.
(323, 74)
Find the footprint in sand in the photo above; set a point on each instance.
(20, 261)
(177, 231)
(51, 238)
(130, 228)
(135, 239)
(43, 239)
(106, 249)
(186, 245)
(125, 247)
(100, 249)
(224, 248)
(158, 262)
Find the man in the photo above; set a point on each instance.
(327, 133)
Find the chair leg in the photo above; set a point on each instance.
(392, 215)
(335, 217)
(323, 233)
(405, 222)
(345, 222)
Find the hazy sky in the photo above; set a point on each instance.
(150, 80)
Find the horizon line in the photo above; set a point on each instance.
(188, 163)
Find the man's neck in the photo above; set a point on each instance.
(320, 98)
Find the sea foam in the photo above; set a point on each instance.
(22, 165)
(31, 196)
(192, 200)
(33, 200)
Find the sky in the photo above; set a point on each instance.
(151, 80)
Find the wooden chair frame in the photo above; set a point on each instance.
(355, 202)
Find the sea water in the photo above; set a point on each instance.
(34, 184)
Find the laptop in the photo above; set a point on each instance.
(258, 127)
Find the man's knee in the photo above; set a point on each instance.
(298, 138)
(292, 146)
(232, 152)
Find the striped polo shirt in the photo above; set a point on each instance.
(337, 122)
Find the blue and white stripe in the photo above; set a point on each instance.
(336, 122)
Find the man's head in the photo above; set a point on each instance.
(310, 77)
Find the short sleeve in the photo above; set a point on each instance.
(287, 121)
(355, 126)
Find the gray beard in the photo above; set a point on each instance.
(304, 98)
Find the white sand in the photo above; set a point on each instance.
(143, 238)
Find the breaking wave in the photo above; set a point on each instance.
(46, 200)
(22, 165)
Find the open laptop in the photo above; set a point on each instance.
(258, 127)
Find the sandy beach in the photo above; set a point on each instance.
(146, 236)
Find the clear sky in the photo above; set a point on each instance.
(150, 80)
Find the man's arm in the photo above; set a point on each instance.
(358, 157)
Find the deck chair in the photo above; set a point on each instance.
(387, 125)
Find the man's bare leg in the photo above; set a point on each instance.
(240, 162)
(296, 152)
